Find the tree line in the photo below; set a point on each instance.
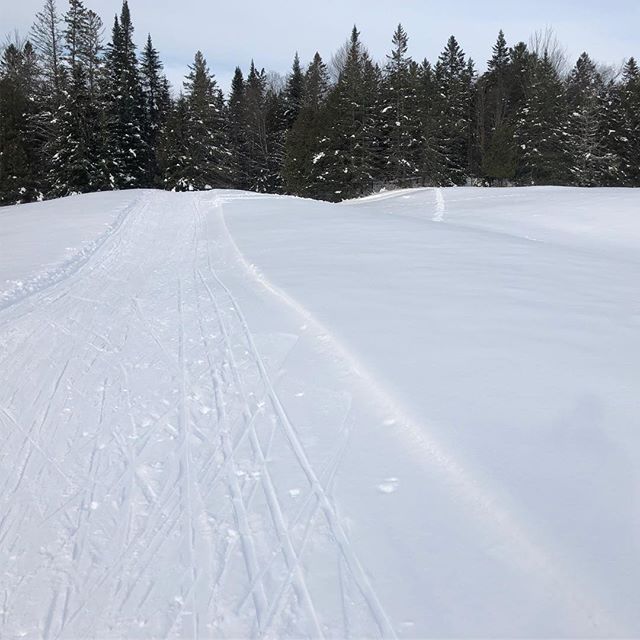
(80, 115)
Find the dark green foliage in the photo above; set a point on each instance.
(293, 94)
(542, 129)
(499, 161)
(400, 128)
(303, 141)
(349, 153)
(237, 138)
(77, 117)
(590, 158)
(157, 103)
(126, 147)
(255, 130)
(201, 132)
(452, 111)
(19, 175)
(627, 118)
(173, 148)
(75, 135)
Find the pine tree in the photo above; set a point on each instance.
(587, 141)
(127, 150)
(91, 52)
(47, 39)
(255, 130)
(350, 155)
(401, 129)
(75, 149)
(19, 179)
(173, 148)
(293, 94)
(431, 161)
(236, 121)
(454, 85)
(157, 102)
(541, 129)
(303, 141)
(205, 137)
(76, 23)
(627, 138)
(496, 146)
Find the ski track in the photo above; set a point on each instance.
(140, 497)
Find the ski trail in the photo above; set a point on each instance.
(383, 622)
(441, 208)
(152, 446)
(470, 487)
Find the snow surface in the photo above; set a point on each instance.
(230, 415)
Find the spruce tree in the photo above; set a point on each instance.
(293, 93)
(541, 129)
(427, 117)
(157, 101)
(277, 123)
(303, 141)
(496, 145)
(349, 159)
(205, 136)
(75, 149)
(627, 142)
(19, 179)
(76, 24)
(454, 85)
(400, 126)
(587, 140)
(255, 130)
(173, 148)
(236, 128)
(47, 39)
(127, 149)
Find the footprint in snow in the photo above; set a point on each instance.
(390, 485)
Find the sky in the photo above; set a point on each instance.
(232, 32)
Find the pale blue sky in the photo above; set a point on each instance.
(232, 32)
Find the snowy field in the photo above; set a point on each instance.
(233, 415)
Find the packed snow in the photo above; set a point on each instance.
(227, 414)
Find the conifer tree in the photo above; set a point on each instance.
(19, 179)
(173, 148)
(75, 149)
(348, 162)
(47, 39)
(303, 141)
(255, 130)
(427, 116)
(494, 113)
(236, 128)
(400, 126)
(76, 23)
(157, 101)
(453, 80)
(205, 137)
(587, 141)
(541, 128)
(127, 150)
(293, 93)
(626, 143)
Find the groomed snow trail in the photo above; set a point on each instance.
(240, 415)
(140, 432)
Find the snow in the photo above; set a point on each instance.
(230, 414)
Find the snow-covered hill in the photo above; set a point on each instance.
(231, 415)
